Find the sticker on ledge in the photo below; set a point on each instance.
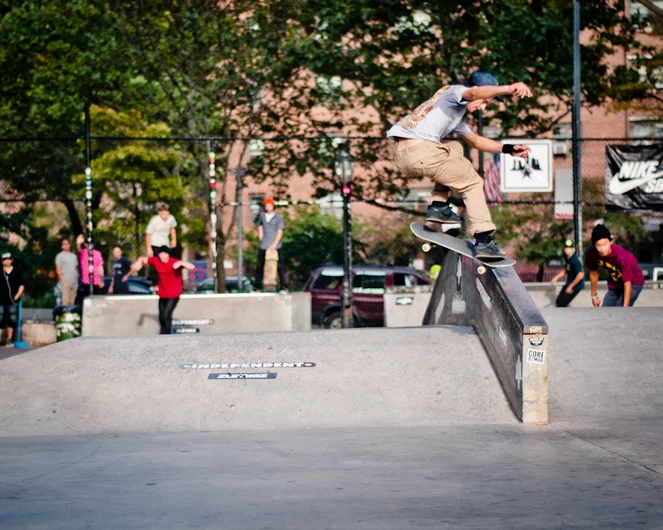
(251, 375)
(231, 366)
(404, 300)
(536, 356)
(536, 341)
(181, 331)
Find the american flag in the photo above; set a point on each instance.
(491, 185)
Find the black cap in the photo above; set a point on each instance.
(163, 248)
(600, 232)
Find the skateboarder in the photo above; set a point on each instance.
(421, 151)
(625, 278)
(270, 232)
(170, 283)
(575, 276)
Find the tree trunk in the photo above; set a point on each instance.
(76, 226)
(539, 274)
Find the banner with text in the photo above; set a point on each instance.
(634, 176)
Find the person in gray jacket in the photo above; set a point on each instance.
(270, 232)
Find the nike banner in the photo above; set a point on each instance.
(634, 176)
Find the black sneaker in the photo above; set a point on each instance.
(442, 214)
(488, 250)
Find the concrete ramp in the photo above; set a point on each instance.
(345, 378)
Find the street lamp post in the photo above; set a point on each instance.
(343, 167)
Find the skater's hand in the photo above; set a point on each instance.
(521, 151)
(569, 290)
(519, 89)
(596, 301)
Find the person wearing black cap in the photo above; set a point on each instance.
(421, 151)
(170, 283)
(625, 278)
(575, 276)
(11, 290)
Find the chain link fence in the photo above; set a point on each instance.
(44, 186)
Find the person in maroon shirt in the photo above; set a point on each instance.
(170, 283)
(625, 278)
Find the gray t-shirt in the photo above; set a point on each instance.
(270, 229)
(68, 262)
(436, 118)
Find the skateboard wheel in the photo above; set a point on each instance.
(481, 269)
(426, 247)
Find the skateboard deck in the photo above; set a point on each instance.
(270, 276)
(461, 246)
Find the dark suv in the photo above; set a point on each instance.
(368, 287)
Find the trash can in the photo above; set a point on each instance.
(67, 322)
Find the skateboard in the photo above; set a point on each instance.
(270, 276)
(461, 246)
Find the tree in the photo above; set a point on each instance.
(131, 176)
(387, 57)
(54, 57)
(637, 85)
(215, 68)
(313, 239)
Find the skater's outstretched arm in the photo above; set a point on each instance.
(489, 92)
(491, 146)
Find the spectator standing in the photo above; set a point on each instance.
(66, 269)
(270, 231)
(121, 270)
(160, 231)
(625, 278)
(170, 283)
(98, 268)
(11, 290)
(575, 276)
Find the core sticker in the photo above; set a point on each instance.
(536, 356)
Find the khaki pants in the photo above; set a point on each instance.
(69, 291)
(446, 166)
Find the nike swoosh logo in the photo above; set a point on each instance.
(619, 187)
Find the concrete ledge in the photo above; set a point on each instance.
(510, 326)
(127, 316)
(37, 333)
(544, 294)
(405, 308)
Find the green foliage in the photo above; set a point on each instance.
(538, 237)
(312, 239)
(130, 177)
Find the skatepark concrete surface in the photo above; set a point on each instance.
(392, 429)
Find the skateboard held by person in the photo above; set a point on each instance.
(270, 276)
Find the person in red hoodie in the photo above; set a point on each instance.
(170, 283)
(625, 278)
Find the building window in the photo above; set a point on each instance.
(647, 130)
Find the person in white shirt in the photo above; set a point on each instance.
(160, 231)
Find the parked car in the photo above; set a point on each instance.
(207, 286)
(369, 284)
(137, 285)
